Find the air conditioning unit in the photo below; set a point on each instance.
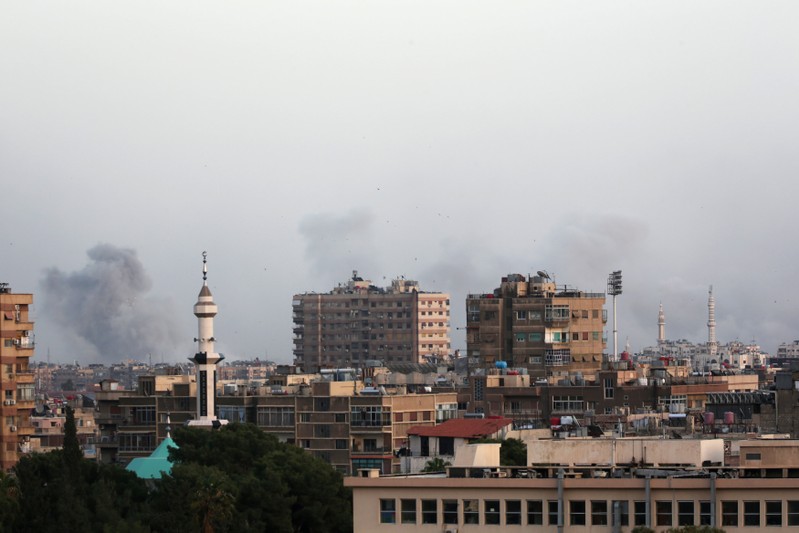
(12, 402)
(13, 429)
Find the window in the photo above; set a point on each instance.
(521, 315)
(552, 512)
(620, 513)
(704, 513)
(640, 513)
(143, 415)
(599, 512)
(685, 513)
(535, 359)
(445, 411)
(305, 418)
(663, 513)
(450, 511)
(729, 513)
(567, 403)
(577, 512)
(793, 513)
(492, 512)
(408, 511)
(608, 386)
(341, 444)
(595, 335)
(752, 513)
(513, 512)
(276, 416)
(429, 511)
(774, 513)
(521, 337)
(752, 456)
(388, 511)
(535, 513)
(340, 418)
(369, 416)
(556, 312)
(535, 337)
(471, 511)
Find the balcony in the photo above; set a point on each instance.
(360, 451)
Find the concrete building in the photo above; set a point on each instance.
(132, 423)
(529, 323)
(16, 376)
(357, 322)
(589, 488)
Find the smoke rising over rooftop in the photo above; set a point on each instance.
(106, 306)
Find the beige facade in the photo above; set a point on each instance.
(485, 498)
(358, 322)
(528, 322)
(16, 377)
(442, 504)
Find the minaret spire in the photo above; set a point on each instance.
(206, 358)
(661, 326)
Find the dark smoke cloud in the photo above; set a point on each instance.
(105, 306)
(337, 244)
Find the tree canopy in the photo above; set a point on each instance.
(237, 478)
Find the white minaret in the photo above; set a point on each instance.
(661, 326)
(205, 360)
(712, 346)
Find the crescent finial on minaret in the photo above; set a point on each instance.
(205, 266)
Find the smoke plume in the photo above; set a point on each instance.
(105, 306)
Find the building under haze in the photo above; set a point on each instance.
(530, 323)
(357, 322)
(16, 379)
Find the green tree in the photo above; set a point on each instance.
(513, 452)
(436, 464)
(9, 501)
(280, 488)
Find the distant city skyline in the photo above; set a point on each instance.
(450, 142)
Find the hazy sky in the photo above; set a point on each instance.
(452, 142)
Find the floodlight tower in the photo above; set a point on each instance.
(614, 289)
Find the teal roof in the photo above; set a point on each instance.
(157, 464)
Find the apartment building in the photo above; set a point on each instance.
(345, 423)
(357, 322)
(348, 425)
(530, 323)
(16, 376)
(133, 423)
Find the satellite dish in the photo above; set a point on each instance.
(543, 274)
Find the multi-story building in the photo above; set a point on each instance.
(529, 323)
(357, 322)
(593, 485)
(344, 423)
(132, 423)
(16, 377)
